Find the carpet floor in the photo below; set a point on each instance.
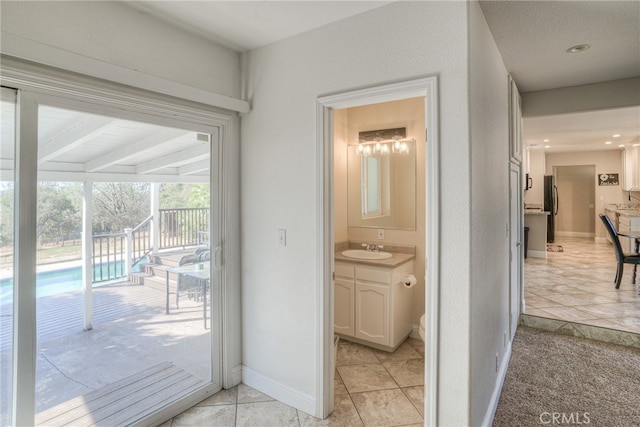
(555, 379)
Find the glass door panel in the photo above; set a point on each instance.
(124, 226)
(7, 179)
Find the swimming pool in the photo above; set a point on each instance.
(58, 281)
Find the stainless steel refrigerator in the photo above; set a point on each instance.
(550, 205)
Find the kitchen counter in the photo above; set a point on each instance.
(536, 220)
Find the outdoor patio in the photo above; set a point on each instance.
(131, 332)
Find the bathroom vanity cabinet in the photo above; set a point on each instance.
(372, 304)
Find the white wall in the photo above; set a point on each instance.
(114, 33)
(279, 186)
(606, 161)
(489, 315)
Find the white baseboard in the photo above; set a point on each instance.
(236, 375)
(536, 254)
(497, 389)
(574, 234)
(279, 391)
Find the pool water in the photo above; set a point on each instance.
(57, 281)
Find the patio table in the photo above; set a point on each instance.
(199, 271)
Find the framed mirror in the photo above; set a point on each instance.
(381, 182)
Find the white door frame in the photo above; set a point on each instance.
(425, 87)
(38, 85)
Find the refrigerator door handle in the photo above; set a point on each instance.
(555, 199)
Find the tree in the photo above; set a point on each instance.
(117, 206)
(58, 215)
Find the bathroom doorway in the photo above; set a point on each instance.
(340, 120)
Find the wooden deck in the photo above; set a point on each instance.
(126, 401)
(61, 314)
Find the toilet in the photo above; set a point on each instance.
(421, 330)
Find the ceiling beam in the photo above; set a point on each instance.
(75, 135)
(175, 160)
(195, 167)
(128, 150)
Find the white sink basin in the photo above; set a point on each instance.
(362, 254)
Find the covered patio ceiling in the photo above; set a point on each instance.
(77, 146)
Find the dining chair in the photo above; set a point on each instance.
(621, 257)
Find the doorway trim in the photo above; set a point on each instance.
(426, 87)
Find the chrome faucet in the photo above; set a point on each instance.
(372, 247)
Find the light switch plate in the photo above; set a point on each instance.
(381, 234)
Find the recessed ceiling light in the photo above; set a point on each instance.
(547, 146)
(608, 142)
(578, 48)
(636, 145)
(545, 140)
(616, 135)
(621, 145)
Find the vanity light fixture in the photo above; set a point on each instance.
(385, 141)
(578, 48)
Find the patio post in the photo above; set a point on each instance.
(155, 222)
(128, 252)
(87, 255)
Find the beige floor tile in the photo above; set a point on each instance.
(338, 385)
(570, 314)
(350, 353)
(404, 351)
(247, 394)
(541, 302)
(416, 396)
(266, 414)
(406, 373)
(386, 408)
(223, 397)
(359, 378)
(202, 416)
(344, 414)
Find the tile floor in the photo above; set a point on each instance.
(577, 286)
(372, 388)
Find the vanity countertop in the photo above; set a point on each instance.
(397, 259)
(535, 212)
(628, 212)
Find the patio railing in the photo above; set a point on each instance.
(141, 244)
(180, 227)
(108, 260)
(115, 255)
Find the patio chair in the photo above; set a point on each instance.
(187, 284)
(621, 257)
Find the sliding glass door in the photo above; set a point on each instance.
(7, 194)
(117, 236)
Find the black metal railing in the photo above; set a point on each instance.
(109, 260)
(141, 244)
(181, 227)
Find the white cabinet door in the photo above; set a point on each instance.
(343, 307)
(372, 312)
